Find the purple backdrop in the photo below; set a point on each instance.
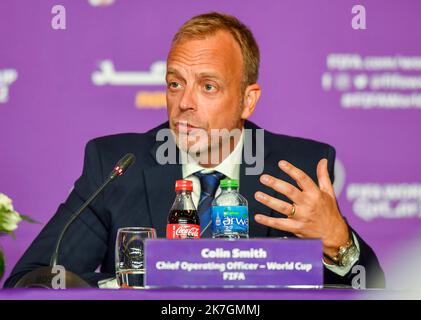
(52, 100)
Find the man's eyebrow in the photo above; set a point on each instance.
(201, 75)
(172, 71)
(210, 75)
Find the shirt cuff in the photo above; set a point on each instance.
(341, 271)
(110, 283)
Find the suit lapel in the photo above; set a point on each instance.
(249, 183)
(159, 183)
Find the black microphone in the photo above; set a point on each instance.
(41, 277)
(119, 169)
(122, 165)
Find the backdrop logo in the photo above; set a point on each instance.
(374, 82)
(390, 201)
(155, 76)
(97, 3)
(375, 200)
(7, 77)
(340, 175)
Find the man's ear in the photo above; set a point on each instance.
(251, 96)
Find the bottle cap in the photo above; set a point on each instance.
(185, 185)
(229, 183)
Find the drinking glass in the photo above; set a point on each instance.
(130, 254)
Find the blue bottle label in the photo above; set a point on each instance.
(230, 219)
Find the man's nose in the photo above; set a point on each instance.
(188, 101)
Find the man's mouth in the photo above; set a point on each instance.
(184, 127)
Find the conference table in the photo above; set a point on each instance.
(207, 294)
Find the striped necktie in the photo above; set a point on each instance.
(209, 183)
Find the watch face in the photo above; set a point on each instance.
(351, 256)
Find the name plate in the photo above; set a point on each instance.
(233, 263)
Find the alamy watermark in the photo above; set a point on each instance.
(58, 22)
(211, 148)
(359, 280)
(59, 280)
(358, 21)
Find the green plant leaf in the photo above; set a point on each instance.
(28, 219)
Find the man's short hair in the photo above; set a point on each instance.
(203, 25)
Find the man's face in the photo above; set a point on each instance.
(203, 89)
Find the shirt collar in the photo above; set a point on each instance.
(229, 166)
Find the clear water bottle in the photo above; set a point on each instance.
(230, 218)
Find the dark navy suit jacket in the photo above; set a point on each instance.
(144, 195)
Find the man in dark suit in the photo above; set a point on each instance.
(212, 72)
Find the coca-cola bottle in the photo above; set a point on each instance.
(183, 221)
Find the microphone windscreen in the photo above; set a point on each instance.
(123, 164)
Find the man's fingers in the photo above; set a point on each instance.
(302, 179)
(287, 225)
(323, 176)
(283, 187)
(273, 203)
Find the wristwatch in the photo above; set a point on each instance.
(347, 255)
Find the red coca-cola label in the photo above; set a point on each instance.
(183, 231)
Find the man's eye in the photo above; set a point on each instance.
(173, 85)
(209, 87)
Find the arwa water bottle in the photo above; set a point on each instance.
(230, 218)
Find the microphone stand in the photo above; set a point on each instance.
(44, 277)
